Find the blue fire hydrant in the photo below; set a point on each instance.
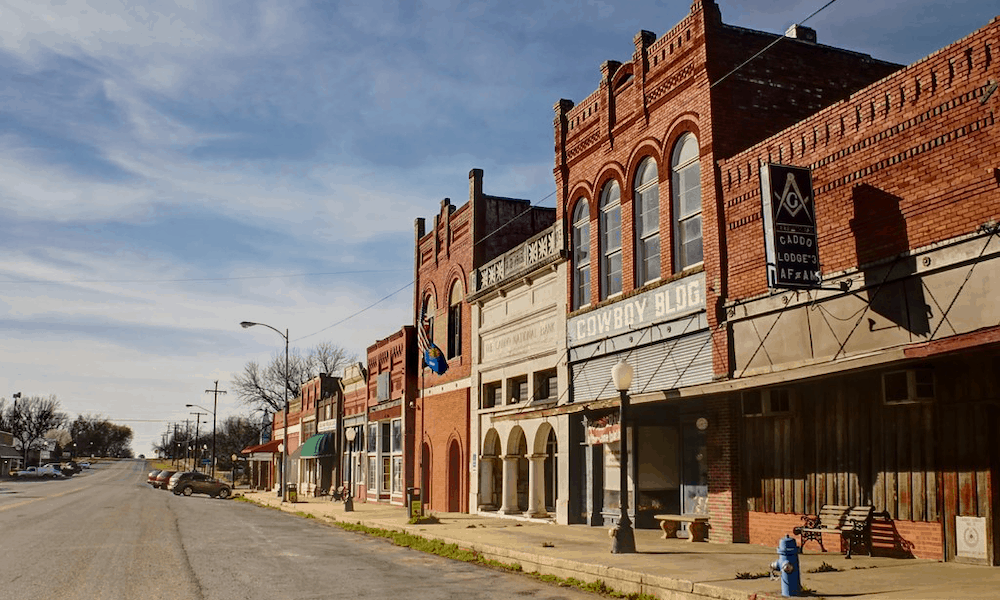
(787, 567)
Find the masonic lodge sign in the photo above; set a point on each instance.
(789, 227)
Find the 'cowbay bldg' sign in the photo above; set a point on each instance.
(665, 303)
(663, 333)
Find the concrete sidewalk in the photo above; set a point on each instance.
(668, 569)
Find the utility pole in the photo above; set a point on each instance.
(215, 409)
(197, 426)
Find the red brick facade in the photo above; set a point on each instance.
(684, 83)
(912, 145)
(459, 240)
(643, 107)
(391, 390)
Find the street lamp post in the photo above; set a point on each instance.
(197, 426)
(349, 499)
(623, 541)
(213, 426)
(283, 492)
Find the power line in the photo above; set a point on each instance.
(355, 314)
(769, 46)
(197, 279)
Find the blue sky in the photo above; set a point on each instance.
(168, 170)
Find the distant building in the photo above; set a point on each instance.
(10, 458)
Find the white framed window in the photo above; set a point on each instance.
(455, 320)
(766, 403)
(397, 474)
(611, 240)
(518, 389)
(492, 394)
(686, 191)
(581, 254)
(546, 384)
(397, 435)
(646, 204)
(908, 387)
(428, 314)
(372, 472)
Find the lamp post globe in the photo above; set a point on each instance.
(351, 434)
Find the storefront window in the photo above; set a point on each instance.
(397, 474)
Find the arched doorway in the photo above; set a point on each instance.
(551, 472)
(454, 477)
(490, 473)
(519, 449)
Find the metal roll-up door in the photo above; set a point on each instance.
(676, 363)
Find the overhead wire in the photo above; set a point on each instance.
(769, 46)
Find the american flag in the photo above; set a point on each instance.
(422, 340)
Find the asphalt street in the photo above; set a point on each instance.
(106, 534)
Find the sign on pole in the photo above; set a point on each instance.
(791, 251)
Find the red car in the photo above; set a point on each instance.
(162, 478)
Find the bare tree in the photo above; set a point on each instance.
(263, 388)
(29, 419)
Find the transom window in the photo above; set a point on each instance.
(686, 191)
(611, 240)
(581, 254)
(647, 223)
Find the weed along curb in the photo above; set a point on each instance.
(487, 556)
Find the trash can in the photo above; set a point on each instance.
(414, 503)
(293, 492)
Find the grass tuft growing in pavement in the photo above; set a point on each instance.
(749, 575)
(431, 546)
(824, 568)
(424, 520)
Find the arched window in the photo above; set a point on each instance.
(611, 240)
(647, 222)
(427, 314)
(455, 320)
(581, 254)
(686, 191)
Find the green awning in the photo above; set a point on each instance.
(318, 445)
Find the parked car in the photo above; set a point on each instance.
(43, 471)
(151, 478)
(162, 478)
(192, 482)
(71, 468)
(85, 465)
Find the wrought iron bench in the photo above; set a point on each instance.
(697, 526)
(852, 523)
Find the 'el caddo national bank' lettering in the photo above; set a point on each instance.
(646, 308)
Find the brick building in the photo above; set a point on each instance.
(291, 444)
(355, 384)
(319, 464)
(459, 240)
(880, 387)
(646, 281)
(388, 445)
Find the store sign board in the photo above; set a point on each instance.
(667, 302)
(791, 250)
